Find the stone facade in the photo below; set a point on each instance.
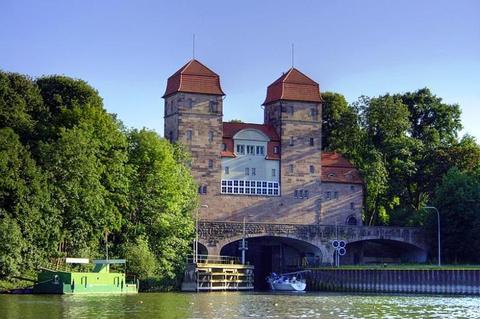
(193, 116)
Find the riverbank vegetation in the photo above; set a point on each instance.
(76, 181)
(410, 154)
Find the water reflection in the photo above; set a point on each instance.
(238, 305)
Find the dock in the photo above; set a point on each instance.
(217, 273)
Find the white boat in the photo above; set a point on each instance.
(292, 281)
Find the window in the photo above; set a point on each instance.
(251, 149)
(335, 195)
(189, 135)
(240, 149)
(352, 188)
(312, 141)
(250, 188)
(328, 194)
(276, 150)
(210, 136)
(290, 168)
(202, 189)
(212, 107)
(247, 171)
(260, 150)
(352, 206)
(305, 193)
(224, 147)
(170, 136)
(210, 164)
(351, 220)
(274, 172)
(291, 141)
(313, 114)
(254, 171)
(227, 170)
(312, 169)
(295, 194)
(190, 103)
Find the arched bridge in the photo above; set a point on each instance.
(215, 235)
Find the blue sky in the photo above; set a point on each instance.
(128, 49)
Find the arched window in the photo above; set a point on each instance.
(351, 220)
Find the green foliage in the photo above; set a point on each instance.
(11, 246)
(72, 174)
(340, 130)
(458, 200)
(162, 196)
(141, 260)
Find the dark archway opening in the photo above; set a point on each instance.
(202, 250)
(382, 251)
(274, 254)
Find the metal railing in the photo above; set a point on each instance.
(213, 259)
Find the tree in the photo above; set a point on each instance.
(162, 198)
(141, 260)
(11, 247)
(458, 200)
(340, 129)
(20, 103)
(25, 200)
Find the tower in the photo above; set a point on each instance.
(193, 116)
(293, 108)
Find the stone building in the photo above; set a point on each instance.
(273, 172)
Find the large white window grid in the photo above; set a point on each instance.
(255, 188)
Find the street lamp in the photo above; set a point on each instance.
(195, 242)
(438, 234)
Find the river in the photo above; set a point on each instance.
(238, 305)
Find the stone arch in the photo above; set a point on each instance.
(378, 250)
(270, 253)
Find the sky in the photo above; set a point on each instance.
(128, 49)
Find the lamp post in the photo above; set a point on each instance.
(438, 234)
(195, 242)
(243, 246)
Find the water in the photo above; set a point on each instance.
(238, 305)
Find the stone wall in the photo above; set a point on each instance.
(437, 281)
(196, 121)
(341, 201)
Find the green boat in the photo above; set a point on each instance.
(100, 280)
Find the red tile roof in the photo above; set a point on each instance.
(337, 169)
(194, 77)
(230, 129)
(293, 86)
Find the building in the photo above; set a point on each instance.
(273, 172)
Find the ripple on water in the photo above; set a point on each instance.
(239, 305)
